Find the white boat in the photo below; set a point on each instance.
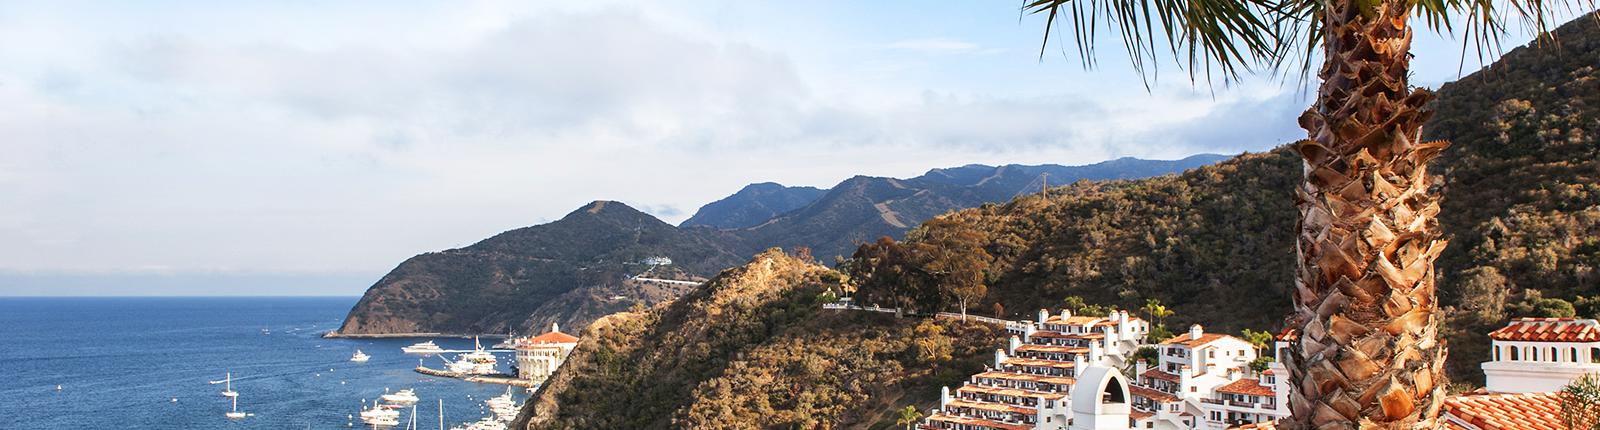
(501, 401)
(360, 357)
(227, 390)
(477, 362)
(402, 397)
(380, 415)
(510, 342)
(234, 414)
(423, 348)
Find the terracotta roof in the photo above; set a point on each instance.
(1057, 334)
(1018, 392)
(1268, 425)
(1017, 361)
(1247, 386)
(997, 407)
(1549, 330)
(1158, 374)
(1053, 348)
(1057, 380)
(1526, 411)
(1183, 339)
(549, 338)
(979, 422)
(1139, 415)
(1288, 335)
(1152, 394)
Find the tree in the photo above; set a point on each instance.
(1580, 403)
(908, 417)
(1158, 313)
(1261, 340)
(1364, 300)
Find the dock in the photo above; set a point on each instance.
(501, 378)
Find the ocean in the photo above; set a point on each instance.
(120, 362)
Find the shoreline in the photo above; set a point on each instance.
(337, 335)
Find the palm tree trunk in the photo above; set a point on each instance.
(1368, 355)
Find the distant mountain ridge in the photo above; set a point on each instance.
(864, 208)
(577, 269)
(752, 205)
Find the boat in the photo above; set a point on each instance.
(477, 362)
(423, 348)
(380, 415)
(234, 414)
(510, 342)
(360, 357)
(227, 391)
(402, 397)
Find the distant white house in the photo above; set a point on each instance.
(1534, 355)
(657, 261)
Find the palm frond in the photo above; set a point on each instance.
(1227, 36)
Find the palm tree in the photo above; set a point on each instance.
(1158, 313)
(908, 417)
(1368, 354)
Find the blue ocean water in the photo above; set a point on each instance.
(121, 361)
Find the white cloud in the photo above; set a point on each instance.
(199, 147)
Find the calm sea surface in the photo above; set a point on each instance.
(121, 361)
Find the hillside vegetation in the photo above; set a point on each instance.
(754, 349)
(1215, 244)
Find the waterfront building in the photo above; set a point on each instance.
(540, 356)
(1203, 381)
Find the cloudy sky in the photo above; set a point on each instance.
(300, 147)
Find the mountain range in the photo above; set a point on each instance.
(583, 266)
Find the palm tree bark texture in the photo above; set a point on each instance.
(1368, 353)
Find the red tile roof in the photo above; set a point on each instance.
(1158, 374)
(1526, 411)
(1248, 387)
(1016, 392)
(979, 422)
(1152, 394)
(1549, 330)
(1185, 340)
(1052, 348)
(549, 338)
(1268, 425)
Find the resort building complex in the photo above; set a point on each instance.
(1202, 380)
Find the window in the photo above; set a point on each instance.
(1514, 355)
(1594, 355)
(1497, 353)
(1574, 355)
(1211, 353)
(1553, 356)
(1533, 354)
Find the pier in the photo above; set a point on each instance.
(500, 378)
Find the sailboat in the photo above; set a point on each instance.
(227, 391)
(234, 414)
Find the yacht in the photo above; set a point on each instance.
(234, 414)
(402, 397)
(360, 357)
(510, 342)
(477, 362)
(380, 415)
(423, 348)
(227, 390)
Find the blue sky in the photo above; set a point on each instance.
(159, 147)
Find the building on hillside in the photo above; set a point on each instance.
(1532, 355)
(1029, 385)
(657, 261)
(540, 356)
(1203, 381)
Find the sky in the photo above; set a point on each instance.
(304, 147)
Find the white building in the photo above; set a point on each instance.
(1029, 385)
(1535, 355)
(540, 356)
(1203, 381)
